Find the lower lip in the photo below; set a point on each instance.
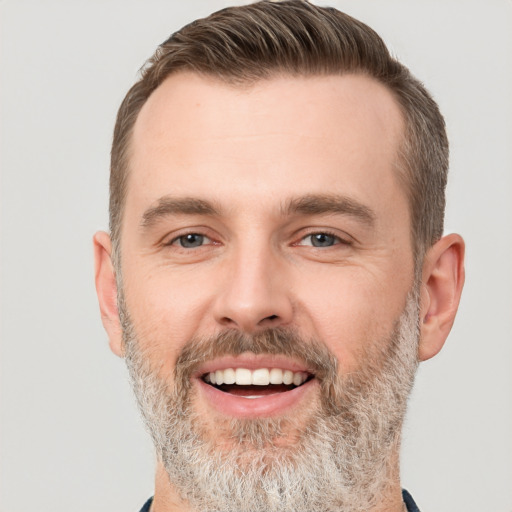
(265, 406)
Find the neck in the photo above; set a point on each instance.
(166, 497)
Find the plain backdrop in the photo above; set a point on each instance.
(71, 438)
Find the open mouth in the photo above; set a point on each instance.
(258, 383)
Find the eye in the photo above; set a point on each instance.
(191, 240)
(321, 240)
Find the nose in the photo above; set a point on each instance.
(254, 295)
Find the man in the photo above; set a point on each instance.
(276, 267)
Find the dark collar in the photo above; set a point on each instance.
(409, 503)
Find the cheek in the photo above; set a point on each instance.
(351, 313)
(165, 313)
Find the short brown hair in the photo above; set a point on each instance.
(242, 45)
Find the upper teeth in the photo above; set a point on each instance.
(259, 377)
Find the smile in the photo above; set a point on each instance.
(259, 377)
(241, 391)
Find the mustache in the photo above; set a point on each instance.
(316, 357)
(277, 341)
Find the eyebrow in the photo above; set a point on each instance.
(177, 206)
(318, 204)
(314, 204)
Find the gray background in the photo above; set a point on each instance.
(71, 439)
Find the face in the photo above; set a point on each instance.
(267, 262)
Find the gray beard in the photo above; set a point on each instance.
(343, 454)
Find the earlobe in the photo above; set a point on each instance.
(441, 288)
(106, 289)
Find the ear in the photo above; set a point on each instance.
(442, 282)
(106, 289)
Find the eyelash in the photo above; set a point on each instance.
(175, 241)
(338, 239)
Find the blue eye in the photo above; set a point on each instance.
(322, 240)
(190, 240)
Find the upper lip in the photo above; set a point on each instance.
(252, 362)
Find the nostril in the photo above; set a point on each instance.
(251, 322)
(227, 321)
(268, 321)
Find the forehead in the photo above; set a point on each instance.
(283, 136)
